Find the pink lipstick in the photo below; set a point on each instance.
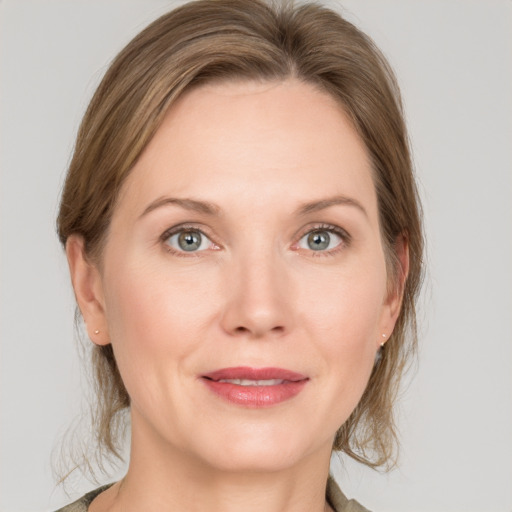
(255, 387)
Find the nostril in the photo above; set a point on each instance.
(278, 329)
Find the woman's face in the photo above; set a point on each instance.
(243, 283)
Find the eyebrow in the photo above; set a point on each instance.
(188, 204)
(322, 204)
(208, 208)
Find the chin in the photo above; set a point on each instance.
(258, 450)
(258, 460)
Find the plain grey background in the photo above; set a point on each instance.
(453, 59)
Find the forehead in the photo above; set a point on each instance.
(234, 139)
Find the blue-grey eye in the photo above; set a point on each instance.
(189, 240)
(320, 240)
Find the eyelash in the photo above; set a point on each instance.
(178, 229)
(330, 228)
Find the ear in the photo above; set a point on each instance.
(393, 303)
(88, 287)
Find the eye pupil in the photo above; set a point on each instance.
(318, 240)
(189, 240)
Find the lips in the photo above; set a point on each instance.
(255, 387)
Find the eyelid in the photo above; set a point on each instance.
(186, 226)
(331, 228)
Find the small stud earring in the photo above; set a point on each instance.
(97, 331)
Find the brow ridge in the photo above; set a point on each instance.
(204, 207)
(209, 208)
(322, 204)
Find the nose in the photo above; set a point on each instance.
(258, 298)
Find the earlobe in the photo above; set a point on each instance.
(88, 288)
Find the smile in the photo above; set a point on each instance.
(248, 382)
(255, 387)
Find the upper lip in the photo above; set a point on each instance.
(248, 373)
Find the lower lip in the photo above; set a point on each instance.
(256, 396)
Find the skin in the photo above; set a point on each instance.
(255, 294)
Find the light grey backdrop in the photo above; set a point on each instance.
(454, 62)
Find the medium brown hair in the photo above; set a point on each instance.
(208, 40)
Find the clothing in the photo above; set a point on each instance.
(335, 498)
(82, 505)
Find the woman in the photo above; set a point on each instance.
(243, 234)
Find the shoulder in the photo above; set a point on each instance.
(82, 504)
(339, 502)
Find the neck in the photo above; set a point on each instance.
(162, 477)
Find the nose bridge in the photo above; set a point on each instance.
(257, 303)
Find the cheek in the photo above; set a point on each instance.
(344, 320)
(155, 322)
(152, 307)
(154, 332)
(347, 303)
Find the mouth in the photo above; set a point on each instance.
(248, 382)
(255, 387)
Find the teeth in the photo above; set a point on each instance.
(248, 382)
